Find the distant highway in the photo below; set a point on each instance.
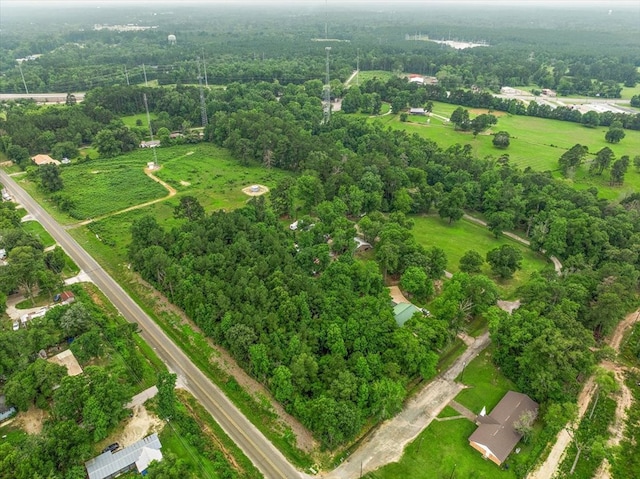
(258, 449)
(41, 97)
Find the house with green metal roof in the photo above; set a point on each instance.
(403, 312)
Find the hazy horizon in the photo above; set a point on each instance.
(327, 3)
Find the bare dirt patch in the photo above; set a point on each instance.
(480, 111)
(397, 296)
(185, 183)
(139, 426)
(255, 190)
(508, 306)
(31, 421)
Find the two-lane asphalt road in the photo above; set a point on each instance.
(257, 448)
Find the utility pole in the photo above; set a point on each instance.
(203, 105)
(358, 67)
(327, 92)
(126, 75)
(146, 107)
(22, 75)
(144, 70)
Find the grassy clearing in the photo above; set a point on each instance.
(486, 384)
(132, 120)
(212, 175)
(37, 230)
(442, 451)
(535, 142)
(99, 187)
(459, 237)
(627, 92)
(381, 75)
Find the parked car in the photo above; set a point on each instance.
(16, 325)
(111, 447)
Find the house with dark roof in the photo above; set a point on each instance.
(138, 456)
(496, 435)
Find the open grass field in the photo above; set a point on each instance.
(212, 175)
(442, 451)
(381, 75)
(36, 229)
(627, 92)
(131, 120)
(460, 236)
(535, 142)
(100, 187)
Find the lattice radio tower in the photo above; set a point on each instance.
(327, 92)
(155, 155)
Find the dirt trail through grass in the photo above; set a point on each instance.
(172, 192)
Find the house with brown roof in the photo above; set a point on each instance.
(496, 435)
(44, 160)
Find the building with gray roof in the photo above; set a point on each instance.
(135, 457)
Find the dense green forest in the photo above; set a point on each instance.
(546, 47)
(300, 310)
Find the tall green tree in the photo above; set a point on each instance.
(166, 394)
(505, 260)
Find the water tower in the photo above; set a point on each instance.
(171, 39)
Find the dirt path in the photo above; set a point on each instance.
(172, 192)
(350, 79)
(624, 401)
(386, 444)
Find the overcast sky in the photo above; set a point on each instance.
(574, 3)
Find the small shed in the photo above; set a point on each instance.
(150, 144)
(403, 312)
(67, 297)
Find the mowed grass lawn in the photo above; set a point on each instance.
(442, 451)
(485, 383)
(535, 142)
(38, 231)
(461, 236)
(132, 120)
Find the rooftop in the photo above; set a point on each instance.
(139, 454)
